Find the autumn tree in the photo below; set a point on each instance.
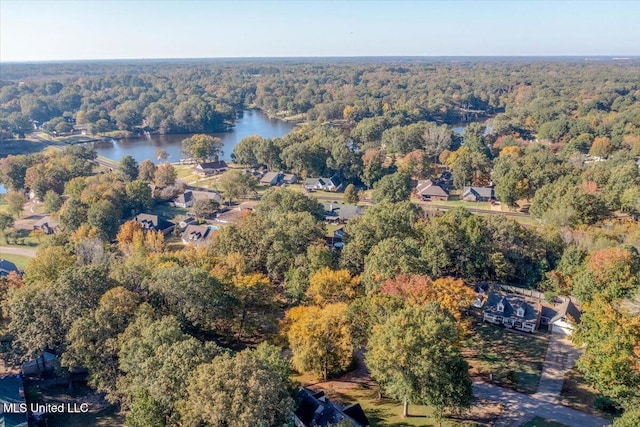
(328, 286)
(205, 208)
(165, 175)
(320, 339)
(372, 166)
(235, 184)
(451, 294)
(147, 171)
(389, 258)
(414, 356)
(601, 147)
(351, 194)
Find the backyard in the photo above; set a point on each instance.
(504, 357)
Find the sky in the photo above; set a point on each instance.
(115, 29)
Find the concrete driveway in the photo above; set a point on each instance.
(560, 358)
(523, 407)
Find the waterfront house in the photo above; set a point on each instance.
(211, 168)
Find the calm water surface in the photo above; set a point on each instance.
(251, 123)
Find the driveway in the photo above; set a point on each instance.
(523, 407)
(561, 356)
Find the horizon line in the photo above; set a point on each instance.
(607, 56)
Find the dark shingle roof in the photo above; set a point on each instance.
(511, 304)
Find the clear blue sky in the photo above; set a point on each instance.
(109, 29)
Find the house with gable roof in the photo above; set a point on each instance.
(512, 311)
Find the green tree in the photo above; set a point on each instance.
(392, 188)
(247, 389)
(235, 184)
(202, 147)
(414, 356)
(389, 258)
(6, 221)
(15, 201)
(105, 218)
(372, 166)
(139, 197)
(128, 168)
(72, 214)
(282, 200)
(351, 194)
(52, 202)
(244, 152)
(205, 208)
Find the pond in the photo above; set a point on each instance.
(251, 122)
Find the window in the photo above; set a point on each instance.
(520, 312)
(500, 307)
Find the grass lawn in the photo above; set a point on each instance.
(168, 211)
(20, 261)
(15, 147)
(101, 413)
(514, 359)
(541, 422)
(577, 394)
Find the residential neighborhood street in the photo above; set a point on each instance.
(17, 251)
(522, 407)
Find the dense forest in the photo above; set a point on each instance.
(194, 337)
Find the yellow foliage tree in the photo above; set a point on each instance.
(328, 286)
(320, 339)
(126, 234)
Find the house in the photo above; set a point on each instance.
(11, 399)
(271, 178)
(289, 178)
(155, 223)
(478, 194)
(7, 267)
(316, 410)
(211, 168)
(561, 315)
(196, 235)
(340, 213)
(512, 311)
(326, 184)
(184, 200)
(428, 190)
(47, 225)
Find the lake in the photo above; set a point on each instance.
(252, 122)
(488, 123)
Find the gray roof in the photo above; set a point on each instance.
(269, 177)
(342, 210)
(314, 409)
(482, 192)
(196, 233)
(566, 308)
(511, 304)
(428, 188)
(213, 165)
(153, 221)
(184, 197)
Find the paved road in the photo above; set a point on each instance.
(522, 405)
(17, 251)
(561, 356)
